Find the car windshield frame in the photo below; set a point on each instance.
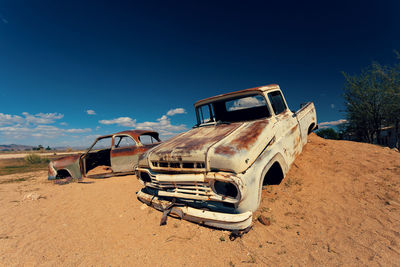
(219, 110)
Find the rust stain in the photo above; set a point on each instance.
(193, 140)
(128, 151)
(65, 161)
(135, 134)
(225, 150)
(297, 141)
(294, 128)
(286, 114)
(249, 135)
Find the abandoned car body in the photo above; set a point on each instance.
(119, 152)
(214, 173)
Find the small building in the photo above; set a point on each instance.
(388, 137)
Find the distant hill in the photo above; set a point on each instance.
(15, 147)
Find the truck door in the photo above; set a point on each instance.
(287, 127)
(123, 156)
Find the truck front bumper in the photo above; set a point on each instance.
(215, 219)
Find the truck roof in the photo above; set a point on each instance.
(227, 95)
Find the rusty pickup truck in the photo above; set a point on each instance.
(214, 173)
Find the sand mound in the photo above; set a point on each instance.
(338, 205)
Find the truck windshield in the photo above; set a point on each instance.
(243, 108)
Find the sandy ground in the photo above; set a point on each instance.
(24, 154)
(338, 205)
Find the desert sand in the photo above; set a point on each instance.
(338, 205)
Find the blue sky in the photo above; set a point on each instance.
(141, 65)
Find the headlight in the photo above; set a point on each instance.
(225, 189)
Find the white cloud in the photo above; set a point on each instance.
(39, 131)
(91, 112)
(122, 121)
(162, 125)
(42, 118)
(34, 126)
(331, 123)
(85, 130)
(6, 119)
(172, 112)
(14, 130)
(163, 117)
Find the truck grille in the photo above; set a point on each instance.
(191, 188)
(178, 165)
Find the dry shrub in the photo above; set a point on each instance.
(35, 159)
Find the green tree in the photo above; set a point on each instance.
(372, 101)
(328, 133)
(392, 108)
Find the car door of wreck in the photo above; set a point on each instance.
(124, 156)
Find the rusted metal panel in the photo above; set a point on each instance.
(244, 146)
(125, 159)
(66, 161)
(69, 163)
(190, 147)
(135, 134)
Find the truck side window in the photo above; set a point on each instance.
(277, 102)
(206, 113)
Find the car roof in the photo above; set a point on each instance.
(135, 134)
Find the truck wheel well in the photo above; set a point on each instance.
(274, 176)
(63, 174)
(311, 128)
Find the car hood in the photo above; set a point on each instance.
(229, 147)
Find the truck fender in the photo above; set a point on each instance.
(278, 158)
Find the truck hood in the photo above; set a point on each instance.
(229, 147)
